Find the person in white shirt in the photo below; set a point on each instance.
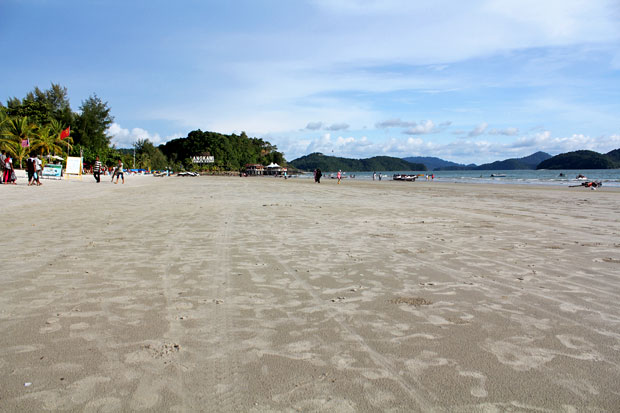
(119, 172)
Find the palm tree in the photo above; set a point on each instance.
(15, 131)
(17, 151)
(45, 142)
(4, 119)
(56, 129)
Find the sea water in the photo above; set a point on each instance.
(609, 177)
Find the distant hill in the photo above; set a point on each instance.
(528, 162)
(614, 155)
(581, 160)
(470, 167)
(534, 159)
(431, 162)
(334, 163)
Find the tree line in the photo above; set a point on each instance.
(230, 152)
(39, 118)
(34, 124)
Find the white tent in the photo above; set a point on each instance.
(273, 165)
(58, 158)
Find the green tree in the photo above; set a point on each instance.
(4, 118)
(48, 142)
(148, 156)
(42, 106)
(16, 130)
(92, 123)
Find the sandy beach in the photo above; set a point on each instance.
(260, 294)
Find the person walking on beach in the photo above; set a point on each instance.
(39, 169)
(318, 176)
(339, 175)
(119, 172)
(9, 173)
(31, 169)
(97, 170)
(2, 160)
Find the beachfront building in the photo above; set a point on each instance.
(254, 169)
(274, 169)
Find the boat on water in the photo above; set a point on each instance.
(498, 175)
(581, 177)
(404, 177)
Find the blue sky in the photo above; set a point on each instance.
(467, 81)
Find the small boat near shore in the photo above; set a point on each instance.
(404, 177)
(498, 175)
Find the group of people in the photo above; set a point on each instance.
(34, 167)
(118, 172)
(6, 167)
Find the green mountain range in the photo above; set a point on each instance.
(528, 162)
(334, 163)
(432, 163)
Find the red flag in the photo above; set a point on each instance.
(65, 133)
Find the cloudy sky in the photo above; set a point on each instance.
(466, 81)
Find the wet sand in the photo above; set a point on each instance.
(260, 294)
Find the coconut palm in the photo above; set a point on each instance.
(56, 129)
(3, 118)
(17, 151)
(16, 130)
(46, 142)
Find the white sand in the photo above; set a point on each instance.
(259, 294)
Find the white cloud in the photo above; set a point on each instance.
(314, 125)
(544, 141)
(321, 125)
(506, 131)
(338, 126)
(460, 150)
(423, 128)
(479, 130)
(125, 138)
(394, 123)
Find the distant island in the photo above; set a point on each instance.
(433, 164)
(334, 163)
(528, 162)
(538, 160)
(583, 160)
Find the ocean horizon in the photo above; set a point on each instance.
(566, 177)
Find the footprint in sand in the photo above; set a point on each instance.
(51, 325)
(479, 390)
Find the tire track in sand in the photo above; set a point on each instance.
(224, 379)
